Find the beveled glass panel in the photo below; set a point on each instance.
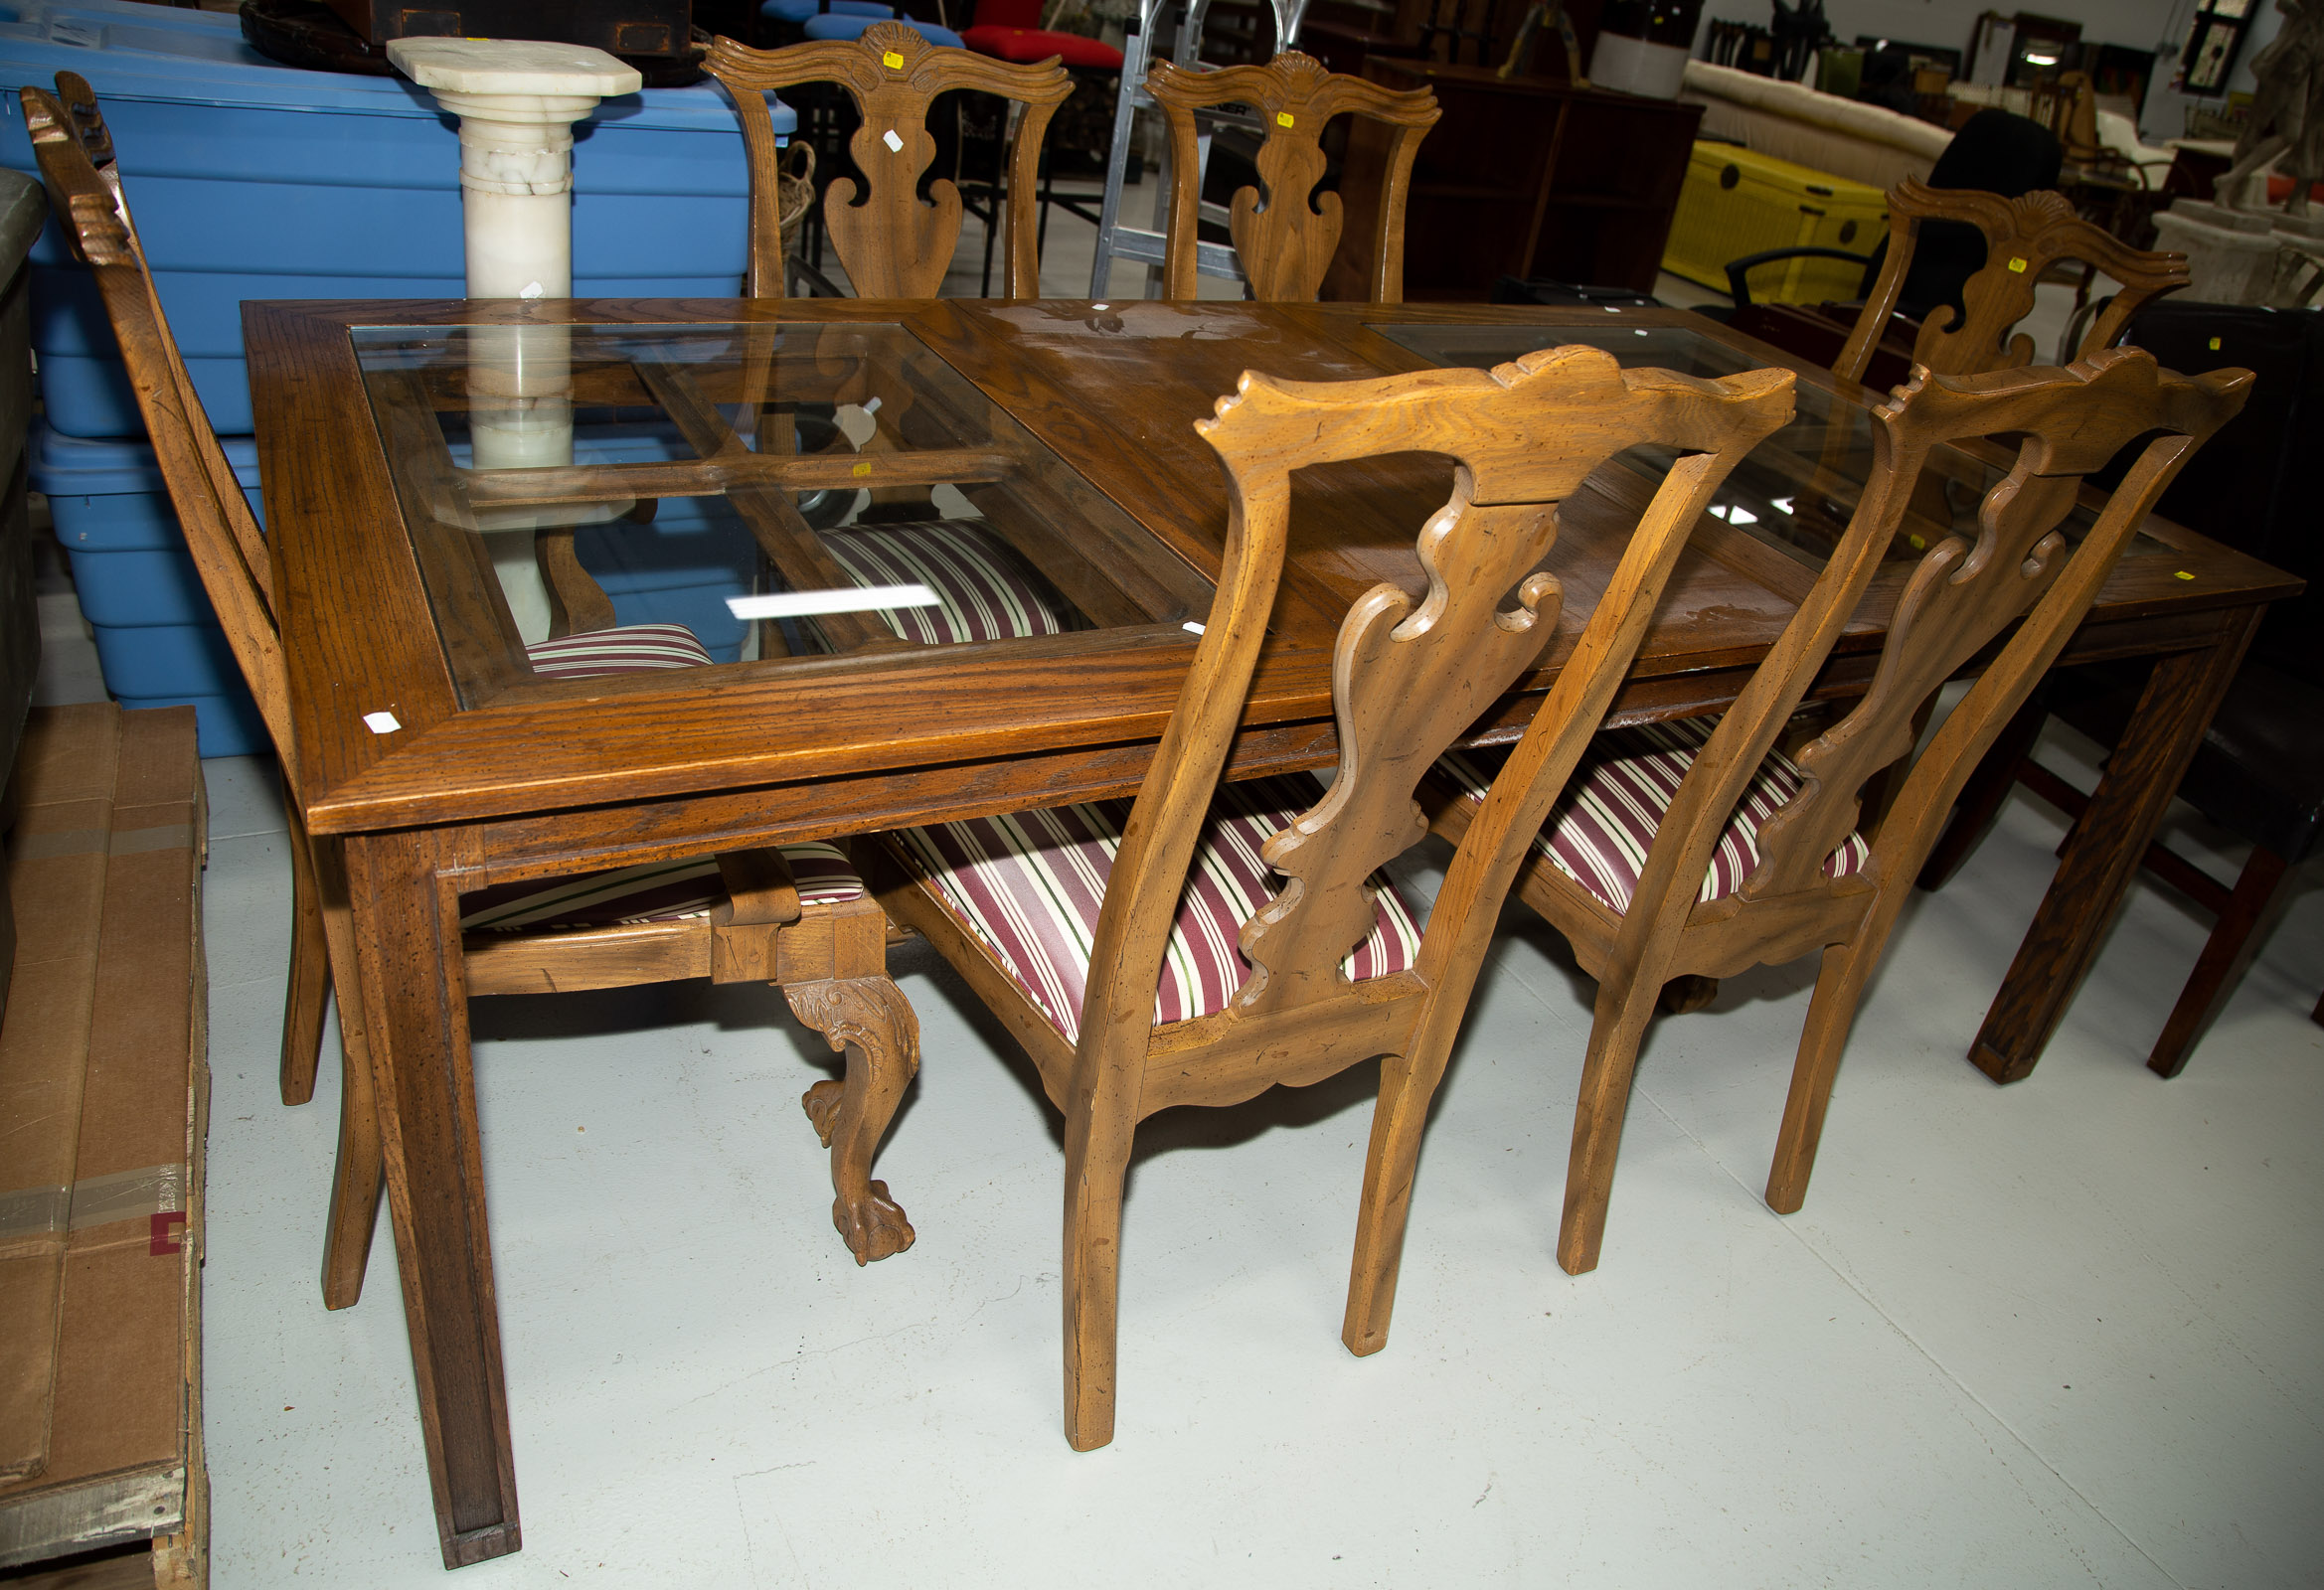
(842, 473)
(1795, 489)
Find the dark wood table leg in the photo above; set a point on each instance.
(407, 927)
(2101, 855)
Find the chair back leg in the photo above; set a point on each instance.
(2234, 938)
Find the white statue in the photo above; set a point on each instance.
(2288, 113)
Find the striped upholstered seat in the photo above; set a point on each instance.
(1030, 885)
(656, 891)
(624, 648)
(1598, 833)
(989, 591)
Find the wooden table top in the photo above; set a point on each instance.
(1108, 399)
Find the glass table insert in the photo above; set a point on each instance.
(1797, 488)
(790, 493)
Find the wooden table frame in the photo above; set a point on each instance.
(621, 771)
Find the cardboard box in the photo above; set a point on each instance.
(104, 1092)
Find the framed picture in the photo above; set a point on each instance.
(2213, 38)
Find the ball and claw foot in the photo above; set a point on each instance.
(874, 1230)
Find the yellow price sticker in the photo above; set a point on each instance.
(1283, 118)
(863, 469)
(892, 61)
(2018, 267)
(2181, 575)
(1915, 543)
(2215, 345)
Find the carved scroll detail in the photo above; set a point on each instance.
(1959, 597)
(893, 244)
(1286, 238)
(1407, 678)
(871, 1021)
(2024, 237)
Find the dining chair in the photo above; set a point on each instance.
(1286, 236)
(891, 243)
(1692, 849)
(1141, 952)
(797, 915)
(2023, 237)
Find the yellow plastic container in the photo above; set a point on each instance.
(1736, 203)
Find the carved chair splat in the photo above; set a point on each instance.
(1286, 236)
(827, 951)
(1333, 973)
(892, 244)
(2024, 237)
(1810, 881)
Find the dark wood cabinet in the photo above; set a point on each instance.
(1524, 177)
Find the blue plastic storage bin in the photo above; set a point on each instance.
(255, 180)
(159, 643)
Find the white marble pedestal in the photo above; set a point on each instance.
(517, 101)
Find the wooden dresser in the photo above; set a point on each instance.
(1524, 177)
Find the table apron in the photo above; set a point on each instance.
(512, 850)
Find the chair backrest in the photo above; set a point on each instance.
(76, 154)
(1960, 597)
(1410, 676)
(1287, 235)
(1995, 151)
(893, 244)
(2024, 237)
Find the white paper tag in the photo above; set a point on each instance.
(381, 722)
(894, 143)
(1191, 627)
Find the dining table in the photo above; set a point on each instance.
(443, 764)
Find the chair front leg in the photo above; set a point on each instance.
(1624, 1006)
(311, 970)
(1407, 1086)
(871, 1021)
(356, 1179)
(1097, 1155)
(1830, 1013)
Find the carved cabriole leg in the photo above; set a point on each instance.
(870, 1018)
(310, 971)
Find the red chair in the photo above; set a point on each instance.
(1011, 30)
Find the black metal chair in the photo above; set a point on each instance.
(1994, 152)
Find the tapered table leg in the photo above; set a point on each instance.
(407, 927)
(2101, 855)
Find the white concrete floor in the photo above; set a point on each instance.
(2061, 1332)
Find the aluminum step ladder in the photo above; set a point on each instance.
(1119, 241)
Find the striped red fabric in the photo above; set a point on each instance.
(624, 649)
(1030, 885)
(655, 891)
(1599, 832)
(989, 591)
